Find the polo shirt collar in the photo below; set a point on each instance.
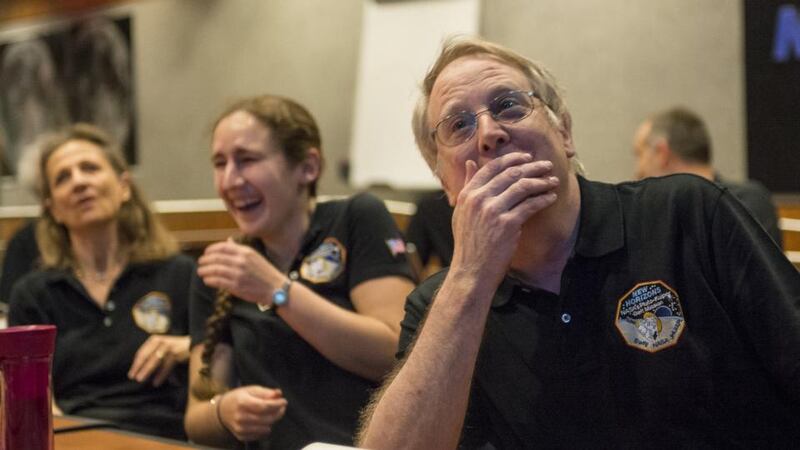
(68, 275)
(600, 230)
(315, 228)
(59, 275)
(504, 291)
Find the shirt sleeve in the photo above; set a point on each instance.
(24, 307)
(761, 291)
(758, 201)
(416, 309)
(376, 247)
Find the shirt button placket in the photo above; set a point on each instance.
(109, 308)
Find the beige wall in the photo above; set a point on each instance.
(620, 60)
(617, 59)
(195, 56)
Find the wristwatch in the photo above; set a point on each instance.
(279, 298)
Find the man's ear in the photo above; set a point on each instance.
(565, 132)
(311, 166)
(663, 153)
(451, 197)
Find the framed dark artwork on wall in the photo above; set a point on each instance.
(75, 71)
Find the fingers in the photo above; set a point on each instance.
(220, 253)
(509, 178)
(494, 167)
(177, 347)
(164, 369)
(145, 360)
(530, 206)
(217, 262)
(246, 274)
(496, 177)
(217, 276)
(157, 357)
(523, 188)
(220, 266)
(224, 252)
(143, 372)
(262, 392)
(250, 432)
(250, 412)
(222, 263)
(264, 402)
(505, 182)
(264, 410)
(471, 169)
(496, 200)
(225, 247)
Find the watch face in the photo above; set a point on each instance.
(279, 297)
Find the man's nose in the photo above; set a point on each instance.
(491, 134)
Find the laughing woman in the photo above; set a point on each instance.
(113, 284)
(306, 314)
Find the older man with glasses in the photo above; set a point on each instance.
(575, 313)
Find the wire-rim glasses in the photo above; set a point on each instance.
(509, 107)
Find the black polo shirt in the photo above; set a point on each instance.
(758, 200)
(95, 347)
(677, 325)
(348, 242)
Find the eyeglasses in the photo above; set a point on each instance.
(459, 127)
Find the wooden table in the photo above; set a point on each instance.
(107, 438)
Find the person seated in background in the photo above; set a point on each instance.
(677, 141)
(297, 321)
(19, 258)
(114, 285)
(430, 231)
(22, 254)
(575, 313)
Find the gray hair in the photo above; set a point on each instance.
(541, 80)
(685, 133)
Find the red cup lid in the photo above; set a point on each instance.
(27, 340)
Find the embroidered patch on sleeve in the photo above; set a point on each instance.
(649, 316)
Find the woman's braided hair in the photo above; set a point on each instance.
(216, 325)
